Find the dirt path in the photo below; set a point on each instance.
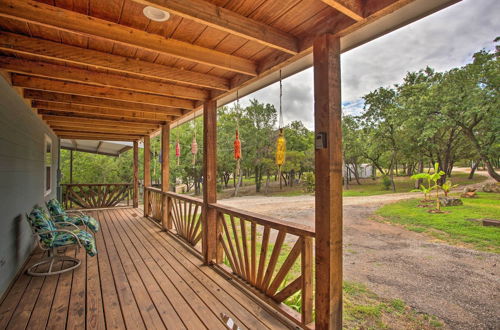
(459, 285)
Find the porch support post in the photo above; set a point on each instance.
(136, 175)
(165, 175)
(328, 169)
(209, 241)
(147, 172)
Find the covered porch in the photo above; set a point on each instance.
(142, 278)
(100, 70)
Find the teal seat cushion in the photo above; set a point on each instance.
(59, 214)
(40, 222)
(85, 238)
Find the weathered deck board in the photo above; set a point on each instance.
(141, 278)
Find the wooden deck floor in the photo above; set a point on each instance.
(141, 278)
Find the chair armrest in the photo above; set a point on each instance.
(61, 231)
(65, 223)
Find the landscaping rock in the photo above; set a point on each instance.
(450, 201)
(469, 189)
(470, 194)
(492, 187)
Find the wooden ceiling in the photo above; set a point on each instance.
(99, 69)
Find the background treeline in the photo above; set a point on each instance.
(448, 117)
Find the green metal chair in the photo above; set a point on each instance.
(54, 237)
(60, 215)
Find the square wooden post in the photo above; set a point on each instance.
(209, 237)
(136, 175)
(147, 173)
(328, 170)
(165, 176)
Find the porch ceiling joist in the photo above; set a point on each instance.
(57, 123)
(45, 49)
(104, 110)
(226, 20)
(116, 120)
(105, 113)
(99, 102)
(97, 122)
(351, 8)
(96, 136)
(97, 91)
(101, 130)
(67, 20)
(61, 72)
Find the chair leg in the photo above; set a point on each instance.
(68, 264)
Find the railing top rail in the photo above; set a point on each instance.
(158, 190)
(289, 227)
(96, 184)
(190, 199)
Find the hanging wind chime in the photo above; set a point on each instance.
(280, 142)
(178, 151)
(237, 142)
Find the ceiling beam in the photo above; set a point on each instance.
(116, 120)
(94, 109)
(97, 91)
(67, 20)
(45, 49)
(61, 72)
(100, 130)
(118, 114)
(85, 125)
(98, 102)
(94, 136)
(351, 8)
(226, 20)
(97, 122)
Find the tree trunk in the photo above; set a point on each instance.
(391, 171)
(484, 158)
(266, 189)
(473, 170)
(420, 170)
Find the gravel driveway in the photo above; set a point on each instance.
(459, 285)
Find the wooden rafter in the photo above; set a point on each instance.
(67, 20)
(97, 122)
(351, 8)
(54, 71)
(97, 91)
(100, 130)
(104, 113)
(98, 102)
(46, 49)
(96, 136)
(55, 123)
(226, 20)
(117, 120)
(104, 110)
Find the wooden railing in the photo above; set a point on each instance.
(270, 255)
(186, 215)
(154, 207)
(90, 196)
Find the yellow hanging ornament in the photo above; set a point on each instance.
(280, 148)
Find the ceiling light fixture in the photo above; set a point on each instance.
(155, 14)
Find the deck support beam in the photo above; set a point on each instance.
(147, 172)
(328, 169)
(209, 237)
(165, 176)
(136, 175)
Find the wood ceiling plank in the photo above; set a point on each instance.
(98, 102)
(76, 128)
(52, 50)
(47, 70)
(114, 125)
(35, 12)
(98, 121)
(97, 91)
(351, 8)
(226, 20)
(79, 116)
(99, 111)
(96, 136)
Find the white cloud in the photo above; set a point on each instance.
(442, 41)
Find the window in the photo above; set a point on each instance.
(48, 165)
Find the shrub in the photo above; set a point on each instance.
(309, 182)
(386, 182)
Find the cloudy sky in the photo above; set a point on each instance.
(442, 41)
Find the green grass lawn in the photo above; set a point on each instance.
(371, 187)
(451, 226)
